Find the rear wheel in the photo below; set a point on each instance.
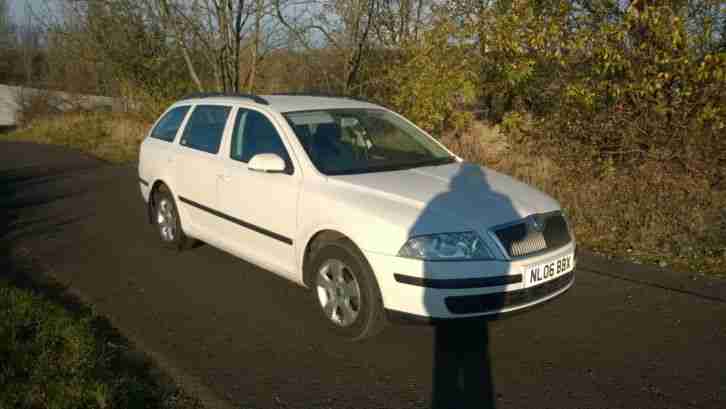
(346, 291)
(166, 219)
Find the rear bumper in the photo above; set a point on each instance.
(435, 291)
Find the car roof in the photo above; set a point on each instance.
(285, 103)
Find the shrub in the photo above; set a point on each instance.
(431, 79)
(609, 84)
(640, 93)
(653, 212)
(628, 108)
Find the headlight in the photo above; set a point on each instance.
(446, 246)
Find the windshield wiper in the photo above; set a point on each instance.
(395, 167)
(437, 162)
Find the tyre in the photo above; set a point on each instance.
(166, 219)
(346, 291)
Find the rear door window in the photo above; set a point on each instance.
(168, 126)
(205, 128)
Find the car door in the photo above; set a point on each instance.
(262, 206)
(158, 151)
(198, 167)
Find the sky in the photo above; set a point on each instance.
(17, 8)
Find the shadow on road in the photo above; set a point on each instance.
(22, 189)
(462, 376)
(28, 196)
(7, 128)
(26, 188)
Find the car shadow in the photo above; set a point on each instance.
(21, 190)
(7, 128)
(462, 364)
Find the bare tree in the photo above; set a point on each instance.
(353, 29)
(221, 30)
(7, 45)
(30, 43)
(5, 24)
(400, 21)
(254, 58)
(344, 25)
(168, 17)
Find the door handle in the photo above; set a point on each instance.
(224, 178)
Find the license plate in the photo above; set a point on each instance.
(540, 273)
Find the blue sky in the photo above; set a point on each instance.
(17, 8)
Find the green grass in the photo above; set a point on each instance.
(52, 357)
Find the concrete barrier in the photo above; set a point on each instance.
(12, 99)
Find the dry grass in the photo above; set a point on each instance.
(109, 136)
(655, 213)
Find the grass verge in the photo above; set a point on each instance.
(57, 353)
(109, 136)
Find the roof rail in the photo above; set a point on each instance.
(315, 94)
(253, 97)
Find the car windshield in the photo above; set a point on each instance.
(349, 141)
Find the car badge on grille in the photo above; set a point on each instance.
(536, 224)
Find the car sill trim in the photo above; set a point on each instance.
(238, 222)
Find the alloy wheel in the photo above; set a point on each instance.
(338, 292)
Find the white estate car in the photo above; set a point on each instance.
(357, 203)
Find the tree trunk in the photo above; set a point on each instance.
(252, 77)
(192, 71)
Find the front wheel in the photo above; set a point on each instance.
(346, 291)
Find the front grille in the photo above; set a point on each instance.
(534, 234)
(473, 304)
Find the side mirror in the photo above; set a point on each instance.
(267, 162)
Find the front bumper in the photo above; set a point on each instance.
(462, 289)
(145, 188)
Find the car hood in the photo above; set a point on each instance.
(463, 193)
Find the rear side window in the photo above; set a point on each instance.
(254, 134)
(168, 125)
(205, 127)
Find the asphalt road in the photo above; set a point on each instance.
(620, 338)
